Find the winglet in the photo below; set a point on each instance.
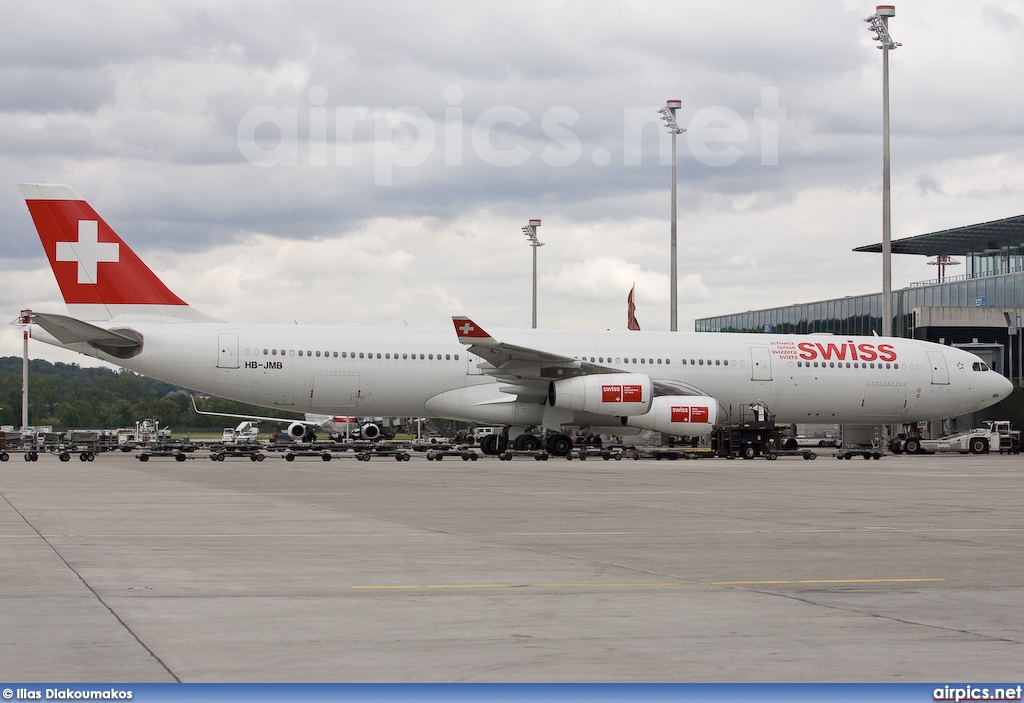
(469, 332)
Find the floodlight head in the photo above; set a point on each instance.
(535, 223)
(886, 10)
(674, 104)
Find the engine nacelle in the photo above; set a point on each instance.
(617, 394)
(369, 431)
(297, 430)
(689, 415)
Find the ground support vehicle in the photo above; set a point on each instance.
(85, 444)
(293, 452)
(746, 439)
(669, 453)
(995, 435)
(807, 454)
(146, 454)
(388, 450)
(607, 453)
(220, 452)
(537, 454)
(464, 453)
(866, 453)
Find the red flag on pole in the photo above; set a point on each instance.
(631, 322)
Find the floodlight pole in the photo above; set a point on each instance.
(24, 319)
(531, 232)
(880, 26)
(668, 113)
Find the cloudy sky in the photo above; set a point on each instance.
(372, 164)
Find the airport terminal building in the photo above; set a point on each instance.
(978, 310)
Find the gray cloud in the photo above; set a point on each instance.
(140, 108)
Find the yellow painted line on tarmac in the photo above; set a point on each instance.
(650, 584)
(819, 581)
(251, 535)
(467, 586)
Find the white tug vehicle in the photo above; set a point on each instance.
(996, 435)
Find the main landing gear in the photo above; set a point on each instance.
(557, 444)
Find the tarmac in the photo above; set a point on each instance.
(904, 569)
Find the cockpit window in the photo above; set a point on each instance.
(980, 366)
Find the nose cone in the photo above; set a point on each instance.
(1003, 387)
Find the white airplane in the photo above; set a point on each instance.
(608, 381)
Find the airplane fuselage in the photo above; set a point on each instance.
(428, 372)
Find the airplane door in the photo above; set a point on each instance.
(336, 390)
(227, 350)
(760, 364)
(884, 399)
(940, 374)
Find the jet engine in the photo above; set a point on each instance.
(616, 394)
(297, 430)
(369, 431)
(689, 415)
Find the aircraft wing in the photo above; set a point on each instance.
(517, 364)
(530, 370)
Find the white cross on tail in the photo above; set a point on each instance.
(88, 251)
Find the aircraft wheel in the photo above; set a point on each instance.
(64, 456)
(526, 442)
(489, 445)
(559, 445)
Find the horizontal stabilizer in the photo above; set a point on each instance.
(68, 330)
